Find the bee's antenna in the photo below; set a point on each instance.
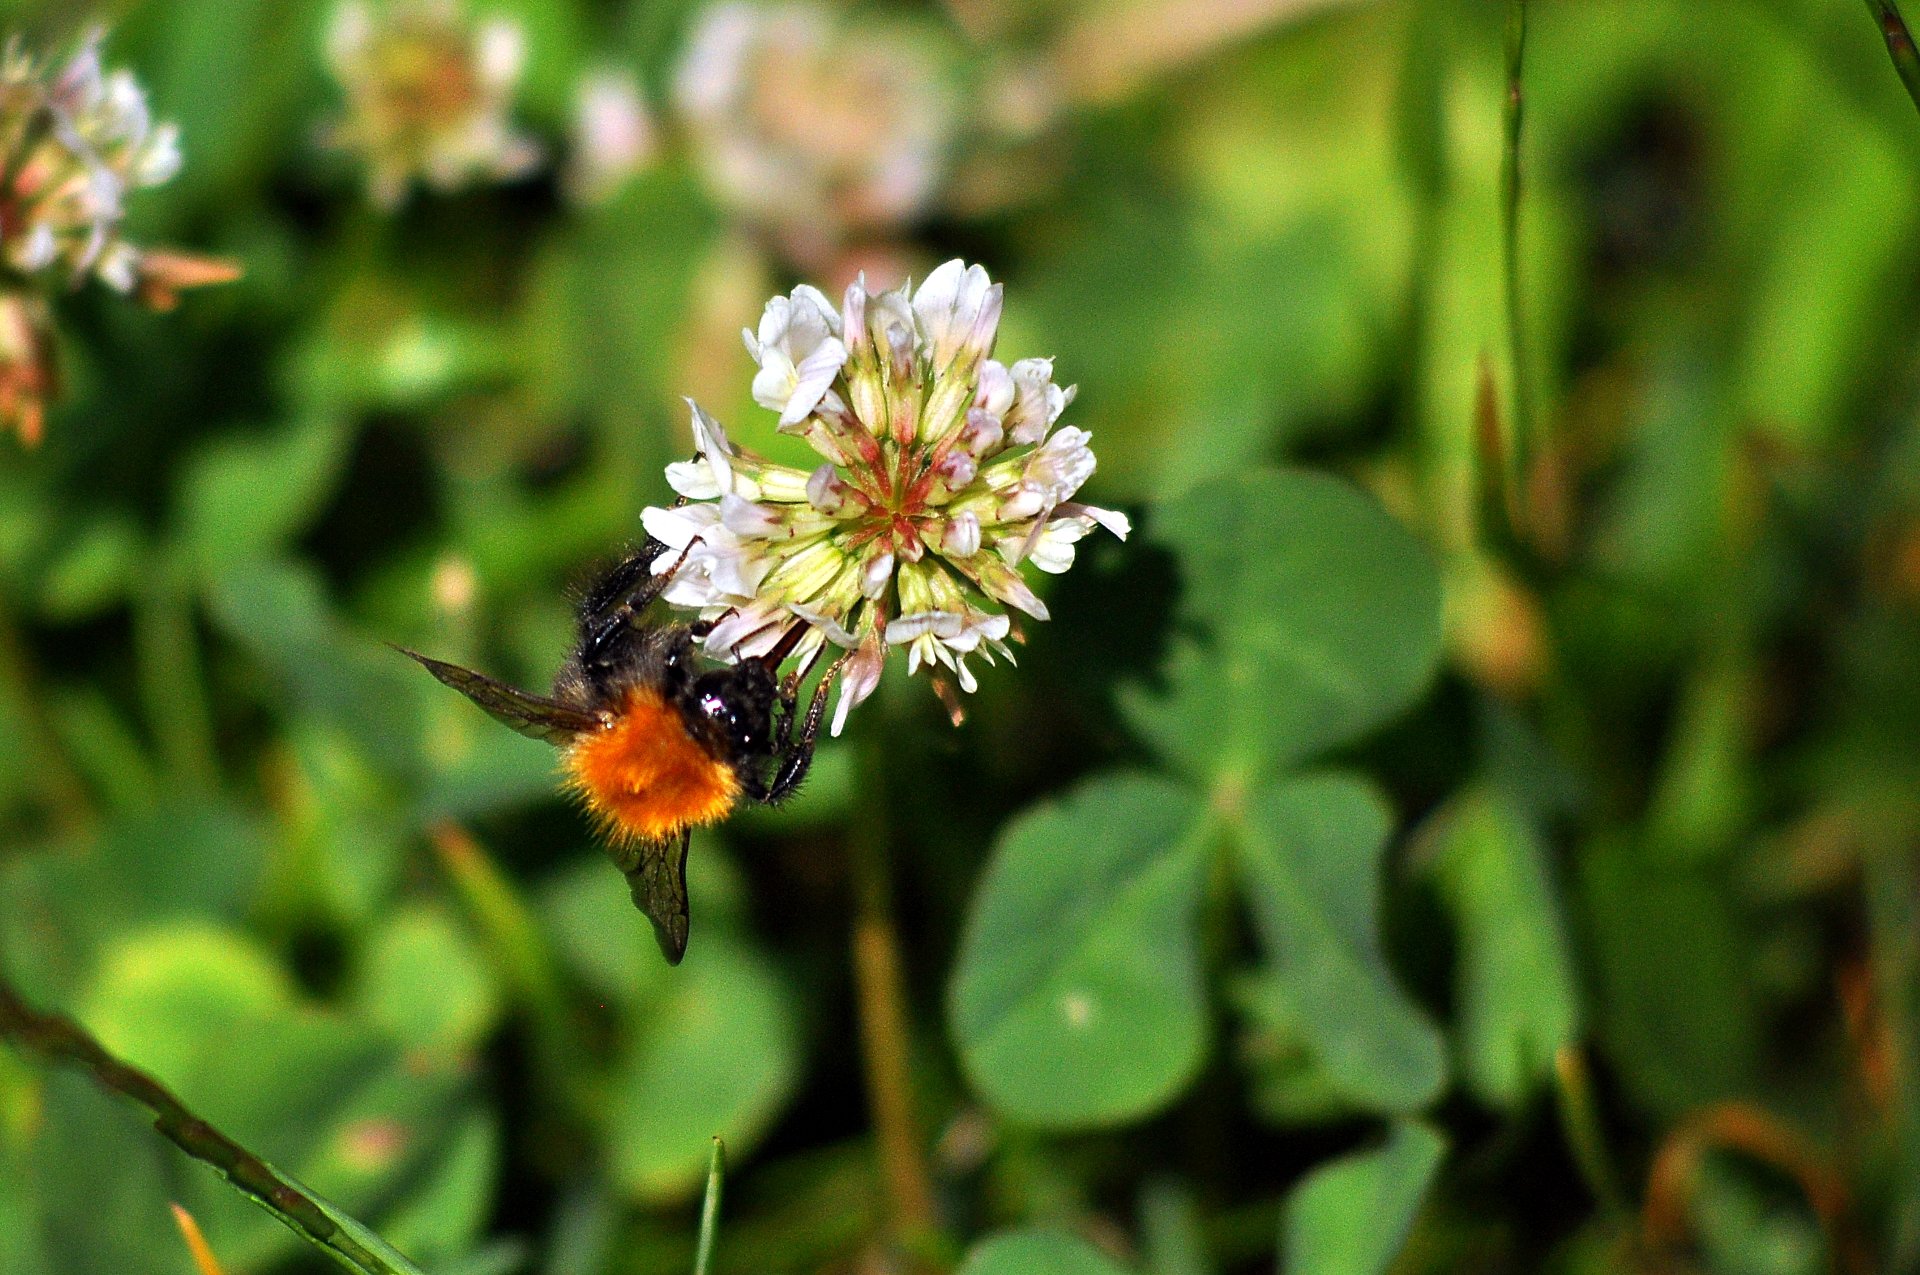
(784, 647)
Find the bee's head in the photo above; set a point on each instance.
(735, 706)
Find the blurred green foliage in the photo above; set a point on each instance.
(1355, 875)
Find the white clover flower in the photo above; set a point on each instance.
(428, 96)
(800, 353)
(613, 134)
(943, 475)
(814, 124)
(75, 141)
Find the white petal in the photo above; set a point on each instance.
(811, 380)
(853, 310)
(827, 625)
(1112, 519)
(746, 518)
(715, 448)
(692, 479)
(773, 384)
(1062, 464)
(159, 158)
(919, 624)
(350, 34)
(119, 267)
(678, 526)
(858, 680)
(996, 388)
(810, 298)
(1053, 549)
(937, 295)
(37, 250)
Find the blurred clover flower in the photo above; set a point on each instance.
(613, 134)
(944, 474)
(75, 141)
(428, 93)
(812, 124)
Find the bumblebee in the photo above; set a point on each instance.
(655, 739)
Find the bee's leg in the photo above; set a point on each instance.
(796, 755)
(622, 593)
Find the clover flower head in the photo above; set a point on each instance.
(814, 125)
(943, 474)
(75, 141)
(428, 93)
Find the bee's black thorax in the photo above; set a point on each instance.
(728, 709)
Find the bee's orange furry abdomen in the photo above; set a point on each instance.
(644, 777)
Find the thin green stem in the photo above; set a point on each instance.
(61, 1040)
(710, 1210)
(1511, 188)
(885, 1035)
(1893, 28)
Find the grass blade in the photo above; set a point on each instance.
(61, 1040)
(1511, 185)
(1893, 28)
(710, 1209)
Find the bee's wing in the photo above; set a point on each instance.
(657, 873)
(531, 715)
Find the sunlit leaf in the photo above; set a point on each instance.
(1077, 999)
(1351, 1217)
(423, 980)
(329, 1097)
(1317, 618)
(92, 571)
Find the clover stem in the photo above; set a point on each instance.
(1512, 175)
(62, 1041)
(1893, 29)
(886, 1039)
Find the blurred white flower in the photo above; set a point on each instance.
(613, 134)
(428, 94)
(75, 141)
(942, 476)
(813, 123)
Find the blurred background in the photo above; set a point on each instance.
(1643, 903)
